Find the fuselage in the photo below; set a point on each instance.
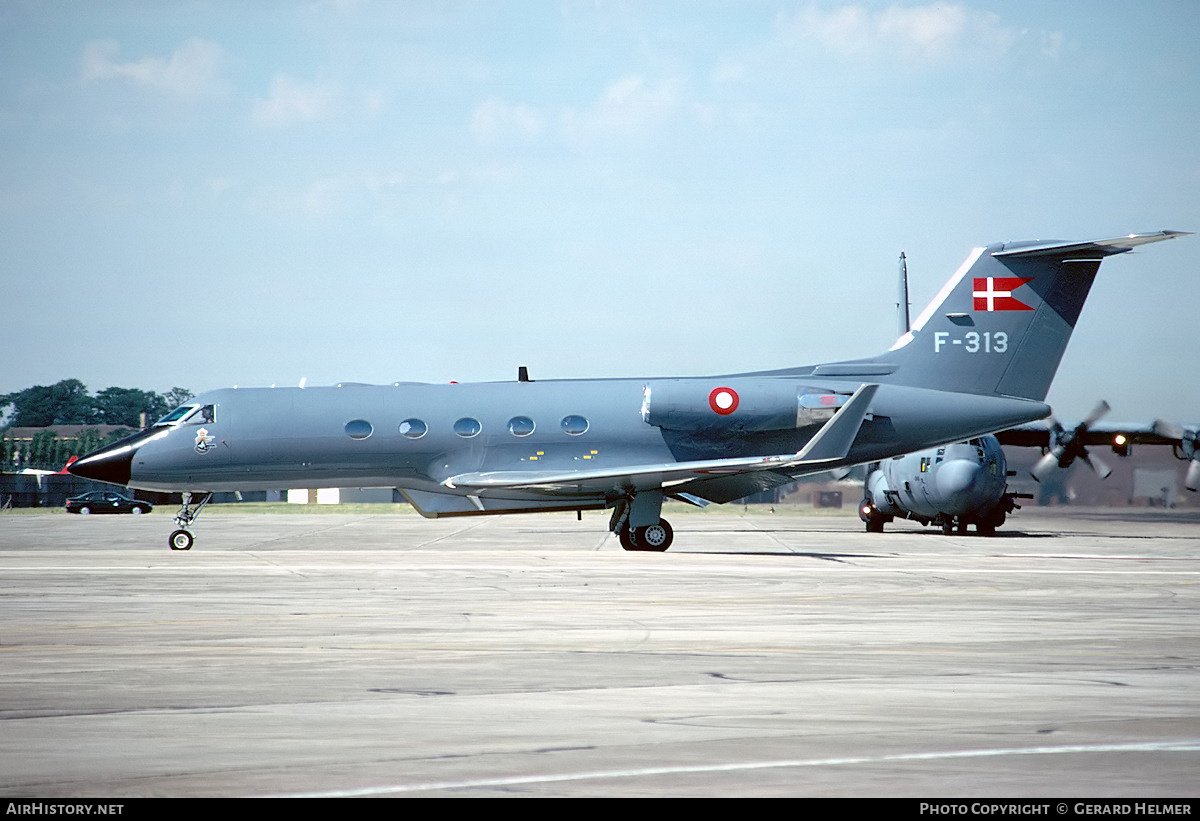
(965, 481)
(411, 435)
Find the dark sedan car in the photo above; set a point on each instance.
(105, 501)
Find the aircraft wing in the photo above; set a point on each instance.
(1037, 435)
(830, 444)
(1063, 445)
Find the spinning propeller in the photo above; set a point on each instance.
(1186, 448)
(1067, 446)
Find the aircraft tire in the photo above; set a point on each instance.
(656, 538)
(180, 540)
(625, 536)
(874, 524)
(651, 538)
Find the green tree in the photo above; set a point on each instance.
(176, 397)
(42, 450)
(89, 439)
(63, 403)
(124, 406)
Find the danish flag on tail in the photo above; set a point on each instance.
(995, 293)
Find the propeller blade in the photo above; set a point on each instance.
(1192, 482)
(1097, 414)
(1097, 464)
(1045, 466)
(1168, 430)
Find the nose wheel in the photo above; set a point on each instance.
(182, 538)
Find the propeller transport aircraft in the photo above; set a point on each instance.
(966, 483)
(960, 484)
(979, 359)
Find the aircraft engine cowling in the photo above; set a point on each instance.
(736, 406)
(881, 494)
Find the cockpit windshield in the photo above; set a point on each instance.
(190, 415)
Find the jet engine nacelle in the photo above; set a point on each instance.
(736, 405)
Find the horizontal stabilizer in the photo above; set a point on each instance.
(1092, 249)
(831, 444)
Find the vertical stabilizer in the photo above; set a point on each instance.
(1001, 324)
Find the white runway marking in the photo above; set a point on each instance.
(550, 778)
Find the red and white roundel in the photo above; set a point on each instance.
(723, 401)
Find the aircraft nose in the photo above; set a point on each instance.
(112, 463)
(957, 477)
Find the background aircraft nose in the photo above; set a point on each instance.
(957, 476)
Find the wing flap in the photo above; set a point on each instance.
(830, 444)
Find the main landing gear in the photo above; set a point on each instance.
(182, 538)
(656, 537)
(644, 507)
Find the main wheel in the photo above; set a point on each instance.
(180, 540)
(654, 537)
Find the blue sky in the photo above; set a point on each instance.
(216, 193)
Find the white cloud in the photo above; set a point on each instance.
(192, 70)
(379, 182)
(219, 185)
(630, 107)
(494, 118)
(915, 33)
(291, 102)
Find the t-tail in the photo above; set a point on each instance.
(1000, 326)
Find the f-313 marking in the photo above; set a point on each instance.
(972, 341)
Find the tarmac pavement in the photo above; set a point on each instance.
(763, 655)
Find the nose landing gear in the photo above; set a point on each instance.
(182, 538)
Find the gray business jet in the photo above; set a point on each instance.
(979, 359)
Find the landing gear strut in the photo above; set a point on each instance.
(182, 538)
